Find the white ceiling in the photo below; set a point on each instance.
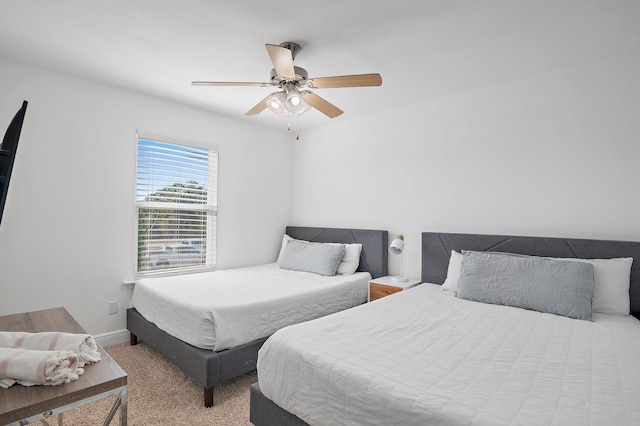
(423, 49)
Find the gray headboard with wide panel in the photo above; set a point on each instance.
(374, 257)
(436, 250)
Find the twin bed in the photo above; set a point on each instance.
(212, 325)
(430, 356)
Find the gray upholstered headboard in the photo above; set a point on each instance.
(374, 257)
(436, 250)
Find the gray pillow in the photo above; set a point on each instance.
(318, 258)
(546, 285)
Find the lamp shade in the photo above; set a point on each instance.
(287, 104)
(294, 102)
(276, 102)
(397, 245)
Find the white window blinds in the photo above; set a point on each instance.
(176, 201)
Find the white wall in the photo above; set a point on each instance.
(554, 154)
(550, 155)
(67, 236)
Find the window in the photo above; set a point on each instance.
(176, 203)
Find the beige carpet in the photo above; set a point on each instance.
(161, 394)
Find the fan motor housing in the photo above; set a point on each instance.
(293, 47)
(300, 78)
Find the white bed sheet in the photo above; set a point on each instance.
(227, 308)
(423, 356)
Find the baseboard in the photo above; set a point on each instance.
(112, 338)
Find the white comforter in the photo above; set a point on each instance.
(223, 309)
(424, 357)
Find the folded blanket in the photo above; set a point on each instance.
(82, 344)
(31, 367)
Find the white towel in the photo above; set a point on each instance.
(82, 344)
(30, 367)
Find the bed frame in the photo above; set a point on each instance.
(211, 368)
(436, 250)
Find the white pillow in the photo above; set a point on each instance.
(611, 280)
(453, 273)
(351, 259)
(285, 238)
(349, 262)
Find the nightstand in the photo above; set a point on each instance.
(384, 286)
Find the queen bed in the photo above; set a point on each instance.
(211, 325)
(432, 356)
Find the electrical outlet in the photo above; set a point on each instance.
(113, 307)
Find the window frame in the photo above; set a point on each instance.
(209, 208)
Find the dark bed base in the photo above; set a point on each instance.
(265, 412)
(436, 250)
(212, 368)
(209, 368)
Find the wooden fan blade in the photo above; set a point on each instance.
(282, 60)
(228, 83)
(320, 104)
(260, 106)
(359, 80)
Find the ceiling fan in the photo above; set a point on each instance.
(292, 100)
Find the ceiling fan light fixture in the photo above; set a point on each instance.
(277, 102)
(287, 103)
(294, 103)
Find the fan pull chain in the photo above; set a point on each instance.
(297, 118)
(289, 129)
